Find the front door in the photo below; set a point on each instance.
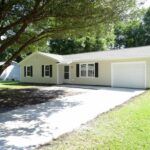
(66, 72)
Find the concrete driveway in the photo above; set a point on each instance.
(31, 126)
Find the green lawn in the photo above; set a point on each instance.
(124, 128)
(13, 85)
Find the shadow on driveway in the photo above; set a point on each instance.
(34, 125)
(17, 125)
(13, 98)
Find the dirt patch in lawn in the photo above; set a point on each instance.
(14, 98)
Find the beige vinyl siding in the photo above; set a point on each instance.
(60, 79)
(103, 78)
(36, 60)
(105, 72)
(148, 74)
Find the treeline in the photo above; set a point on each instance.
(131, 33)
(134, 33)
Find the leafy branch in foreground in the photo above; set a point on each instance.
(22, 20)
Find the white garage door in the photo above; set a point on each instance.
(128, 74)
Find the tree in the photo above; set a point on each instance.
(82, 44)
(127, 34)
(63, 46)
(22, 23)
(134, 32)
(146, 27)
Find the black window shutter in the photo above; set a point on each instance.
(51, 71)
(96, 69)
(77, 70)
(42, 70)
(24, 71)
(31, 70)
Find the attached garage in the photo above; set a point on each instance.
(128, 74)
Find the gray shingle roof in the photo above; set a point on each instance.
(54, 56)
(137, 52)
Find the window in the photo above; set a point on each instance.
(87, 70)
(47, 70)
(83, 70)
(66, 72)
(28, 71)
(91, 70)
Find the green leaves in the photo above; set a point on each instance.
(134, 32)
(82, 44)
(24, 23)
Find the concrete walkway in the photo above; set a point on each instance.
(28, 127)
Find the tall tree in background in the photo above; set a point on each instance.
(146, 27)
(133, 33)
(82, 44)
(22, 23)
(127, 34)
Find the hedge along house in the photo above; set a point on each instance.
(117, 68)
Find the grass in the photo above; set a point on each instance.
(124, 128)
(13, 85)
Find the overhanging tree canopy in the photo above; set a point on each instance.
(25, 22)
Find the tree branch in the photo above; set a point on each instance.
(13, 39)
(5, 7)
(8, 62)
(27, 18)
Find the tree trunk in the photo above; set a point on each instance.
(8, 62)
(3, 67)
(13, 39)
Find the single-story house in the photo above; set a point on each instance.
(117, 68)
(12, 72)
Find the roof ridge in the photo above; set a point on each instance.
(100, 51)
(50, 53)
(109, 50)
(134, 52)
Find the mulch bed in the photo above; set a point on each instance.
(14, 98)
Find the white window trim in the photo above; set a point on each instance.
(86, 70)
(94, 70)
(45, 71)
(49, 71)
(27, 71)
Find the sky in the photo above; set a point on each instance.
(146, 3)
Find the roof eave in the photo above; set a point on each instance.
(107, 59)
